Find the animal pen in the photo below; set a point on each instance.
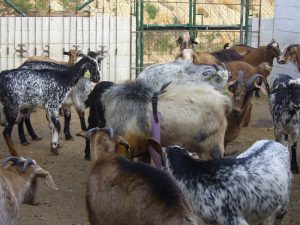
(130, 34)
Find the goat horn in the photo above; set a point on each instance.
(27, 163)
(240, 77)
(224, 65)
(216, 67)
(14, 159)
(252, 79)
(110, 132)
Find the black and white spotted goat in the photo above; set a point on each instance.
(250, 189)
(22, 90)
(76, 97)
(285, 108)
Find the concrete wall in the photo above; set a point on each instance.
(286, 31)
(94, 33)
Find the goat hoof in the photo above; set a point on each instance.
(37, 138)
(69, 138)
(25, 143)
(88, 158)
(54, 150)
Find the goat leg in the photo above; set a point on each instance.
(7, 136)
(54, 132)
(21, 132)
(67, 116)
(294, 164)
(30, 130)
(82, 120)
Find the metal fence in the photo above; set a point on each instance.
(134, 33)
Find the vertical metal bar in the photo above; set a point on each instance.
(259, 24)
(241, 21)
(130, 42)
(7, 41)
(116, 50)
(247, 20)
(137, 37)
(142, 37)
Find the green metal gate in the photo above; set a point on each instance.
(159, 23)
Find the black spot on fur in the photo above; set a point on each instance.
(226, 55)
(160, 183)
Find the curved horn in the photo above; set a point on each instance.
(224, 65)
(14, 159)
(216, 67)
(252, 79)
(27, 163)
(110, 132)
(240, 77)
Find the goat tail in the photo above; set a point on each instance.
(154, 100)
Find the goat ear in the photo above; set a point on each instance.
(65, 53)
(39, 172)
(88, 134)
(155, 145)
(262, 89)
(230, 85)
(298, 58)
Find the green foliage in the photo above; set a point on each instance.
(151, 10)
(70, 4)
(42, 4)
(165, 44)
(24, 6)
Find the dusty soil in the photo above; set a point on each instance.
(69, 170)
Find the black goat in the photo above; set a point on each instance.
(96, 113)
(285, 108)
(22, 90)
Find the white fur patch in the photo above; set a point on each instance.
(296, 81)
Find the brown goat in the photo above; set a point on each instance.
(248, 70)
(292, 54)
(256, 56)
(120, 191)
(18, 184)
(242, 106)
(73, 55)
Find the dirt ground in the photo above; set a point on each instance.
(69, 170)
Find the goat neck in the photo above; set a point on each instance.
(77, 70)
(21, 181)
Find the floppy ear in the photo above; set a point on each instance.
(88, 134)
(230, 85)
(298, 57)
(39, 172)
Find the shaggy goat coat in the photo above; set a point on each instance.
(253, 187)
(191, 116)
(183, 72)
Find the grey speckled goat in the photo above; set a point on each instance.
(183, 72)
(250, 189)
(76, 97)
(23, 90)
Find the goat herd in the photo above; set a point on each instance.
(193, 107)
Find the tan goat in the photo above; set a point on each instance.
(73, 55)
(120, 191)
(18, 184)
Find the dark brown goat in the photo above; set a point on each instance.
(120, 191)
(292, 54)
(242, 106)
(217, 57)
